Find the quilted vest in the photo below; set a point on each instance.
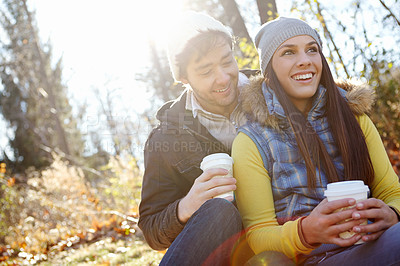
(283, 161)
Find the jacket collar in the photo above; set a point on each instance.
(173, 115)
(261, 104)
(170, 111)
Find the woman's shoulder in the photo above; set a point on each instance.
(359, 95)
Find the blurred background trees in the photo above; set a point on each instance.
(37, 107)
(359, 41)
(33, 100)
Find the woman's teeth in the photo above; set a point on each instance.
(305, 76)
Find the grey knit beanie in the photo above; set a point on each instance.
(273, 33)
(189, 25)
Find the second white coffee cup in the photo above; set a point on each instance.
(219, 160)
(347, 189)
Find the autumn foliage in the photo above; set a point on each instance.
(58, 209)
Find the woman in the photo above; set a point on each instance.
(303, 133)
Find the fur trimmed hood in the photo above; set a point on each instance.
(360, 97)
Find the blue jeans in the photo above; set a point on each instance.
(383, 251)
(269, 257)
(208, 236)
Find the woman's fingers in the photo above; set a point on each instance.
(369, 204)
(346, 242)
(372, 236)
(336, 205)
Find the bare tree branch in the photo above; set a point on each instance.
(390, 12)
(328, 34)
(107, 109)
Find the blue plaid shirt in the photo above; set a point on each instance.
(283, 161)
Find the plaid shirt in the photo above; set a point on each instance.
(284, 162)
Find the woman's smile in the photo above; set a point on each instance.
(298, 66)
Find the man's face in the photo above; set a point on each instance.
(214, 78)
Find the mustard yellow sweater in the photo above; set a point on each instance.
(256, 204)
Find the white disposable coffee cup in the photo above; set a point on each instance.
(219, 160)
(347, 189)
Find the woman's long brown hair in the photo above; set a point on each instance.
(344, 127)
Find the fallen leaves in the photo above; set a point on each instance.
(114, 228)
(59, 209)
(11, 181)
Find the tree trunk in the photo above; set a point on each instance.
(267, 10)
(235, 19)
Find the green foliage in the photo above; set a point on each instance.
(23, 143)
(248, 57)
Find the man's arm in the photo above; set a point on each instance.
(160, 197)
(166, 195)
(161, 229)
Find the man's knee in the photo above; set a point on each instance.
(220, 204)
(221, 211)
(224, 212)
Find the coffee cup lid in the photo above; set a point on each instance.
(345, 188)
(218, 158)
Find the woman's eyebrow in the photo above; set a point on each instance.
(294, 45)
(287, 46)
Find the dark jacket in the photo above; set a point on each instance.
(172, 157)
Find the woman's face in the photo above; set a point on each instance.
(298, 66)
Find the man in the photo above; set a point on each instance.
(178, 210)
